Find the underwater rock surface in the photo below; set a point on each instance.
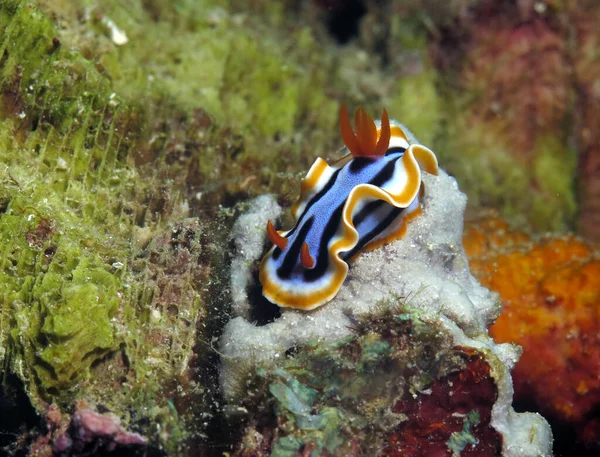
(424, 278)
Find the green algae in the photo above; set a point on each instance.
(76, 326)
(287, 446)
(87, 243)
(297, 399)
(324, 437)
(415, 99)
(373, 348)
(55, 283)
(554, 166)
(491, 176)
(256, 78)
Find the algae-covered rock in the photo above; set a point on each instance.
(417, 394)
(383, 391)
(128, 132)
(345, 350)
(85, 312)
(509, 135)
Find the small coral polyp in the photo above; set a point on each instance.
(362, 201)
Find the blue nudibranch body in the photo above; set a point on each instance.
(360, 202)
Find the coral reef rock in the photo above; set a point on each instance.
(423, 278)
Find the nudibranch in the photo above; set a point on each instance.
(362, 201)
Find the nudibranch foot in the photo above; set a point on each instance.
(358, 203)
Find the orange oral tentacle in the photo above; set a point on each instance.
(306, 259)
(348, 135)
(275, 237)
(384, 136)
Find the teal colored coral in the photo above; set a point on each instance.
(460, 440)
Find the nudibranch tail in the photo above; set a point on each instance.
(361, 201)
(275, 237)
(366, 142)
